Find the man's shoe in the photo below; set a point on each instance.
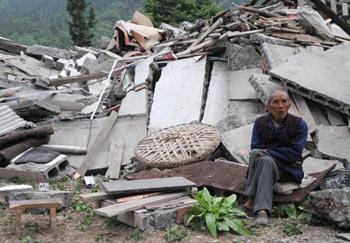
(262, 217)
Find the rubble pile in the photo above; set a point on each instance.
(101, 102)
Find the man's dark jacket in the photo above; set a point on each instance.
(285, 144)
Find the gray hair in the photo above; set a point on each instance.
(275, 91)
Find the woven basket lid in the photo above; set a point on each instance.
(178, 145)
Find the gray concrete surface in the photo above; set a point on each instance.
(239, 87)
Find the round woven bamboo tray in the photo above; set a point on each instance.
(178, 145)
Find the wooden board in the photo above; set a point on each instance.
(115, 159)
(114, 210)
(146, 185)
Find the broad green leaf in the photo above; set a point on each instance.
(222, 226)
(188, 218)
(206, 195)
(211, 224)
(231, 199)
(238, 226)
(237, 212)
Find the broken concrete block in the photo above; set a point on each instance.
(56, 53)
(65, 196)
(242, 57)
(242, 113)
(48, 61)
(276, 54)
(8, 190)
(239, 87)
(313, 165)
(56, 169)
(181, 78)
(135, 103)
(332, 204)
(337, 179)
(237, 142)
(81, 60)
(216, 106)
(334, 142)
(325, 80)
(260, 38)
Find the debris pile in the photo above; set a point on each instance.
(110, 109)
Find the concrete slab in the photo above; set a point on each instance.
(325, 80)
(143, 71)
(242, 113)
(276, 54)
(178, 94)
(335, 118)
(147, 185)
(242, 57)
(134, 103)
(76, 133)
(334, 142)
(237, 142)
(313, 165)
(239, 88)
(216, 107)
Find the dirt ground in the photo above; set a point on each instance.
(79, 224)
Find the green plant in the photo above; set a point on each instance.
(84, 223)
(292, 229)
(136, 235)
(293, 212)
(175, 234)
(216, 213)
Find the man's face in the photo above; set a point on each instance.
(279, 106)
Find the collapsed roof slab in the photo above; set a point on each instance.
(334, 142)
(134, 103)
(322, 77)
(237, 142)
(239, 88)
(76, 133)
(242, 57)
(216, 107)
(178, 94)
(276, 54)
(242, 113)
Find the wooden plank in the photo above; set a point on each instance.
(35, 203)
(23, 175)
(136, 197)
(345, 9)
(93, 197)
(146, 185)
(231, 34)
(115, 159)
(334, 6)
(80, 78)
(96, 145)
(114, 210)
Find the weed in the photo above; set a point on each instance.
(136, 235)
(80, 206)
(84, 223)
(292, 229)
(34, 227)
(11, 219)
(293, 212)
(175, 234)
(29, 239)
(217, 213)
(60, 185)
(111, 222)
(16, 180)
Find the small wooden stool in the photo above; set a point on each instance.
(19, 206)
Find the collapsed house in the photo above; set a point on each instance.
(177, 99)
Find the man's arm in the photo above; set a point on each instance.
(292, 153)
(256, 142)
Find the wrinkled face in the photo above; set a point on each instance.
(279, 105)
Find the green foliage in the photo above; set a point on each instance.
(175, 234)
(136, 235)
(216, 213)
(293, 212)
(80, 26)
(292, 229)
(176, 11)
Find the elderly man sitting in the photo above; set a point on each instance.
(278, 141)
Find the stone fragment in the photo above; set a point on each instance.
(242, 57)
(332, 204)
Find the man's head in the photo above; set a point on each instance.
(278, 105)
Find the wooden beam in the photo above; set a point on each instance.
(115, 159)
(114, 210)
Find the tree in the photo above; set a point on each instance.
(176, 11)
(80, 26)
